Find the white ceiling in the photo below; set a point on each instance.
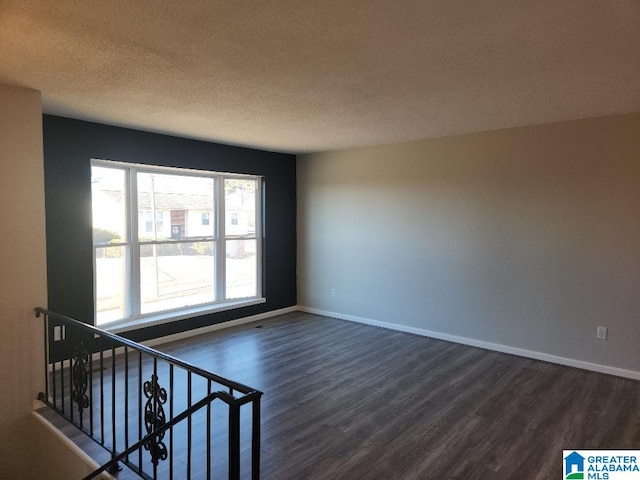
(309, 75)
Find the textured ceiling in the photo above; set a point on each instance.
(300, 75)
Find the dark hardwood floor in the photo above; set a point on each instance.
(350, 401)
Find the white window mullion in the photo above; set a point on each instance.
(259, 236)
(95, 285)
(133, 258)
(221, 247)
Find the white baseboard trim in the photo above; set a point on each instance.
(218, 326)
(521, 352)
(153, 342)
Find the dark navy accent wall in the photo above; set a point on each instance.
(69, 146)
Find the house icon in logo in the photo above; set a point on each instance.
(574, 466)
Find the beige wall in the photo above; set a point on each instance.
(525, 237)
(24, 449)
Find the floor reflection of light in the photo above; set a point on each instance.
(235, 356)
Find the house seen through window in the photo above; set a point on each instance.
(167, 240)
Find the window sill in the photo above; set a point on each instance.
(168, 317)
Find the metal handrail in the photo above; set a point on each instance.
(81, 378)
(177, 419)
(148, 350)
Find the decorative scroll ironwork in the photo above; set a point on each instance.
(68, 381)
(154, 418)
(79, 376)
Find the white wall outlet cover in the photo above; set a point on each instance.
(601, 333)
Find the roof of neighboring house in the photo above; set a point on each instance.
(175, 201)
(166, 201)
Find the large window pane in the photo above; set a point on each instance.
(110, 283)
(240, 221)
(240, 207)
(174, 207)
(108, 205)
(241, 269)
(176, 275)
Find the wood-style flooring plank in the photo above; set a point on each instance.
(349, 401)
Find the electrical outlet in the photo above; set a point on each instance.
(58, 333)
(601, 333)
(333, 292)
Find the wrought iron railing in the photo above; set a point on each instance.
(158, 415)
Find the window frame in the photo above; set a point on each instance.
(132, 245)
